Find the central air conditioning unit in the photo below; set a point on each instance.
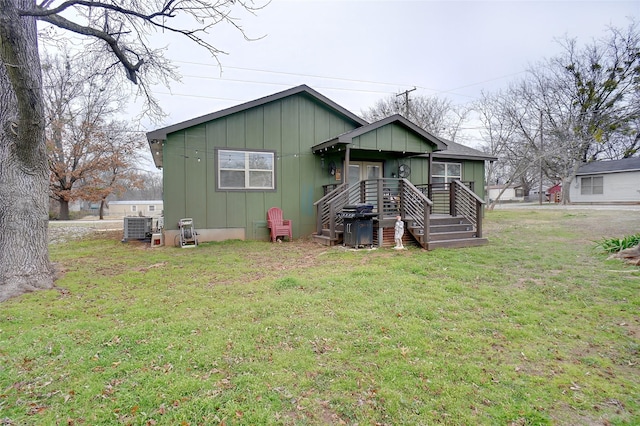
(137, 228)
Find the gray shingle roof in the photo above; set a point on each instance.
(610, 166)
(457, 151)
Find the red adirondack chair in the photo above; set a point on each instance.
(279, 227)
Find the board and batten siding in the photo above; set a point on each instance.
(289, 127)
(392, 137)
(474, 171)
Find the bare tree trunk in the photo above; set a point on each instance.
(64, 210)
(102, 203)
(24, 171)
(566, 197)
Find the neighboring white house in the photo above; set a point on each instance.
(151, 208)
(613, 181)
(511, 193)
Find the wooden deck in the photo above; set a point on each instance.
(463, 228)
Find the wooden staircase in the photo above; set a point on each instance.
(452, 232)
(324, 237)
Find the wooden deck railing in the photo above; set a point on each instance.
(465, 202)
(416, 207)
(440, 194)
(389, 197)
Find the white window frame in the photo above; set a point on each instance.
(587, 186)
(134, 208)
(247, 170)
(151, 208)
(448, 178)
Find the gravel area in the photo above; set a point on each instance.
(63, 231)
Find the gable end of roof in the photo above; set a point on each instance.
(161, 134)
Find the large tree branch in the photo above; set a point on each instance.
(40, 11)
(130, 67)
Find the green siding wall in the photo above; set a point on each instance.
(392, 137)
(474, 171)
(290, 127)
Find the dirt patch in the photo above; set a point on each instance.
(630, 255)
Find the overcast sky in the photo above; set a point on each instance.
(356, 52)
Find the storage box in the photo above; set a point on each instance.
(157, 240)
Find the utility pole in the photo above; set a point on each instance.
(406, 101)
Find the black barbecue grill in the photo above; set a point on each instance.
(358, 225)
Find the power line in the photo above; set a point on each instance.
(280, 84)
(436, 91)
(298, 74)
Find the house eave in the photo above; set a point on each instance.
(448, 156)
(326, 145)
(155, 146)
(606, 172)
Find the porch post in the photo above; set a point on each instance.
(345, 172)
(452, 198)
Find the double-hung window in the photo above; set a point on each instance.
(593, 185)
(446, 172)
(248, 170)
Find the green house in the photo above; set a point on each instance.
(302, 152)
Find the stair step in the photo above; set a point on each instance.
(458, 243)
(453, 227)
(327, 232)
(451, 220)
(457, 235)
(326, 240)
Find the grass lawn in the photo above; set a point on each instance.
(536, 328)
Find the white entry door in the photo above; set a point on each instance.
(360, 170)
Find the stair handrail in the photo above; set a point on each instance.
(324, 206)
(466, 203)
(416, 205)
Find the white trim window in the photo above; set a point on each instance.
(134, 208)
(151, 208)
(446, 172)
(238, 170)
(592, 185)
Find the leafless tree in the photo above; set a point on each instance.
(118, 32)
(151, 190)
(438, 116)
(88, 151)
(579, 106)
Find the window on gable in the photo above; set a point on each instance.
(446, 172)
(593, 185)
(238, 170)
